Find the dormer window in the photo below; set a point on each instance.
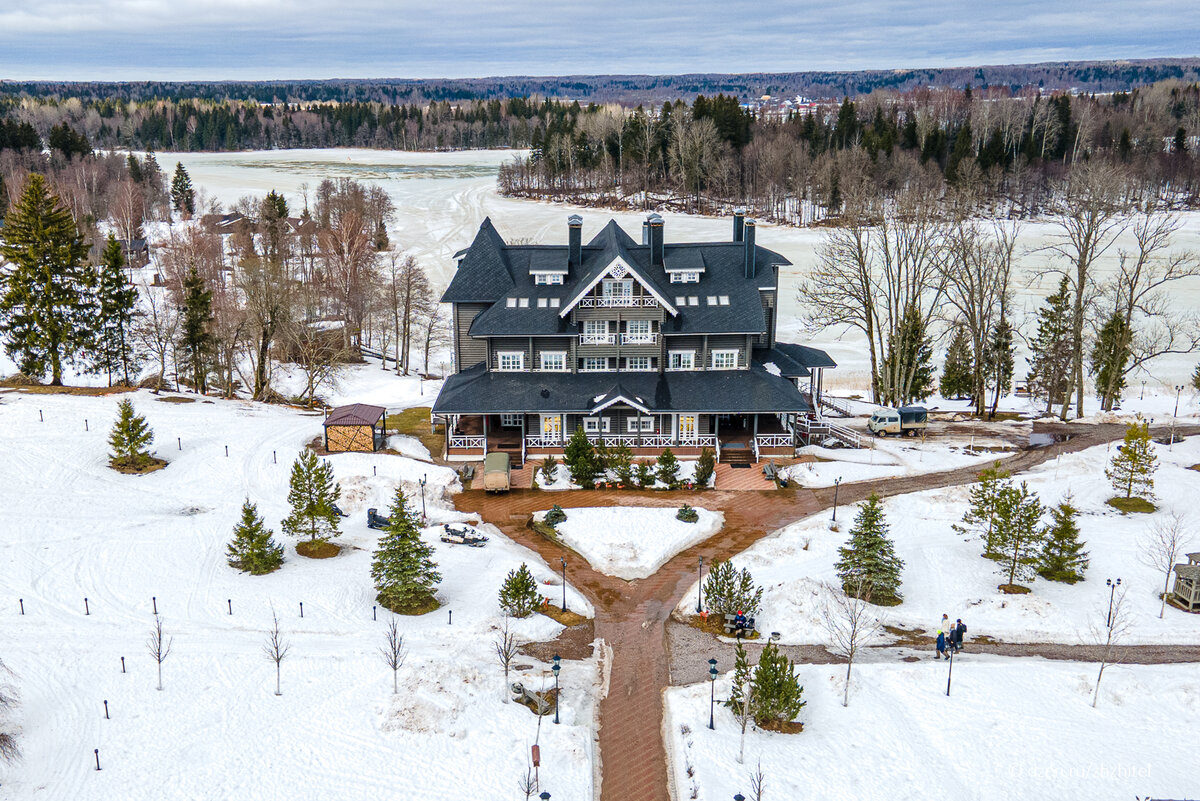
(548, 279)
(510, 361)
(685, 277)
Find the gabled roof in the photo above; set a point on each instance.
(356, 414)
(618, 394)
(483, 275)
(805, 356)
(615, 245)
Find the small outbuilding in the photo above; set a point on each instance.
(1187, 584)
(358, 427)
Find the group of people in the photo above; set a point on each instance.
(950, 637)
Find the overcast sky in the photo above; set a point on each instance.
(265, 39)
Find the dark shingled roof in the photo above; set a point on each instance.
(484, 274)
(479, 391)
(805, 356)
(356, 414)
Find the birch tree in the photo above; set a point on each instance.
(394, 653)
(159, 646)
(1162, 547)
(276, 649)
(1109, 630)
(850, 621)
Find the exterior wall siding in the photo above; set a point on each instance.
(468, 351)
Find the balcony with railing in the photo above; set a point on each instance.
(618, 302)
(639, 339)
(597, 339)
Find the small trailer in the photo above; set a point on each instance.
(496, 472)
(463, 536)
(907, 420)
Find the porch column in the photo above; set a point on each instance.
(485, 433)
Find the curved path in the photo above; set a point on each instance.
(631, 616)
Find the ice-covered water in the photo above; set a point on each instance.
(441, 198)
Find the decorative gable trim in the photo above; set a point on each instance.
(617, 268)
(634, 402)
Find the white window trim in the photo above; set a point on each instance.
(561, 354)
(649, 364)
(585, 369)
(713, 362)
(510, 421)
(608, 283)
(644, 327)
(500, 356)
(548, 279)
(690, 353)
(595, 327)
(597, 425)
(643, 424)
(555, 431)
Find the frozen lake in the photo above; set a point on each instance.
(441, 198)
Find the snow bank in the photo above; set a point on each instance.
(632, 542)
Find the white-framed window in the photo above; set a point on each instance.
(510, 303)
(554, 361)
(552, 426)
(597, 425)
(510, 421)
(685, 427)
(640, 327)
(637, 363)
(510, 360)
(595, 364)
(682, 359)
(548, 279)
(686, 277)
(724, 359)
(595, 327)
(618, 287)
(643, 424)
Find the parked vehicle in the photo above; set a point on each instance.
(496, 472)
(463, 536)
(907, 420)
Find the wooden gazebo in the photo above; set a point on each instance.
(357, 427)
(1186, 592)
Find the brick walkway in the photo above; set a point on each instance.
(631, 616)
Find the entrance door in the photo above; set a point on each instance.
(552, 427)
(686, 427)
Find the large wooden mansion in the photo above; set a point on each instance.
(645, 345)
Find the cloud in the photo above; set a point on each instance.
(263, 39)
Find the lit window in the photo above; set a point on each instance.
(683, 359)
(724, 359)
(554, 362)
(637, 363)
(511, 360)
(511, 303)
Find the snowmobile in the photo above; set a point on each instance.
(463, 536)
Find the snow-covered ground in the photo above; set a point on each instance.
(888, 458)
(1009, 729)
(632, 542)
(70, 529)
(562, 476)
(944, 572)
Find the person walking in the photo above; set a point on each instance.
(960, 631)
(941, 645)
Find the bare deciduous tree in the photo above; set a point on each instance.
(158, 328)
(159, 646)
(394, 653)
(1108, 631)
(757, 783)
(506, 651)
(9, 750)
(1161, 549)
(276, 648)
(269, 299)
(851, 622)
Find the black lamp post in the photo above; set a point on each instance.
(836, 482)
(1175, 416)
(564, 568)
(712, 694)
(557, 667)
(950, 673)
(700, 576)
(424, 478)
(1112, 591)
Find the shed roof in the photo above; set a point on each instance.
(356, 414)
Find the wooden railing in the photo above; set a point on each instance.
(618, 301)
(597, 339)
(468, 442)
(628, 441)
(773, 440)
(639, 339)
(543, 442)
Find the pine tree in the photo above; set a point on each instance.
(644, 474)
(196, 341)
(906, 373)
(1017, 536)
(253, 549)
(1110, 355)
(778, 694)
(984, 497)
(183, 197)
(957, 379)
(46, 295)
(706, 465)
(130, 437)
(312, 494)
(1063, 557)
(1196, 378)
(869, 559)
(113, 350)
(580, 457)
(1132, 467)
(741, 676)
(1050, 350)
(667, 471)
(728, 591)
(403, 569)
(519, 594)
(1000, 361)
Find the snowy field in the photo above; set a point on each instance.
(70, 528)
(1010, 729)
(632, 542)
(889, 458)
(944, 572)
(441, 198)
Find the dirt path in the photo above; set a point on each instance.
(631, 616)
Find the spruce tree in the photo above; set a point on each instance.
(706, 465)
(868, 560)
(1050, 350)
(778, 694)
(984, 498)
(1063, 557)
(667, 470)
(906, 373)
(312, 494)
(728, 591)
(1196, 378)
(1018, 538)
(183, 197)
(957, 380)
(113, 349)
(196, 341)
(47, 292)
(403, 569)
(1132, 467)
(253, 549)
(519, 594)
(580, 458)
(1000, 361)
(130, 437)
(1110, 355)
(741, 676)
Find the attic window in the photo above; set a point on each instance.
(510, 303)
(712, 300)
(548, 278)
(723, 300)
(686, 277)
(554, 303)
(680, 300)
(693, 300)
(523, 303)
(541, 303)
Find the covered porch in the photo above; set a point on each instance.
(753, 437)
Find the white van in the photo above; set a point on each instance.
(909, 420)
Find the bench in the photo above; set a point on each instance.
(771, 473)
(732, 630)
(535, 701)
(468, 472)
